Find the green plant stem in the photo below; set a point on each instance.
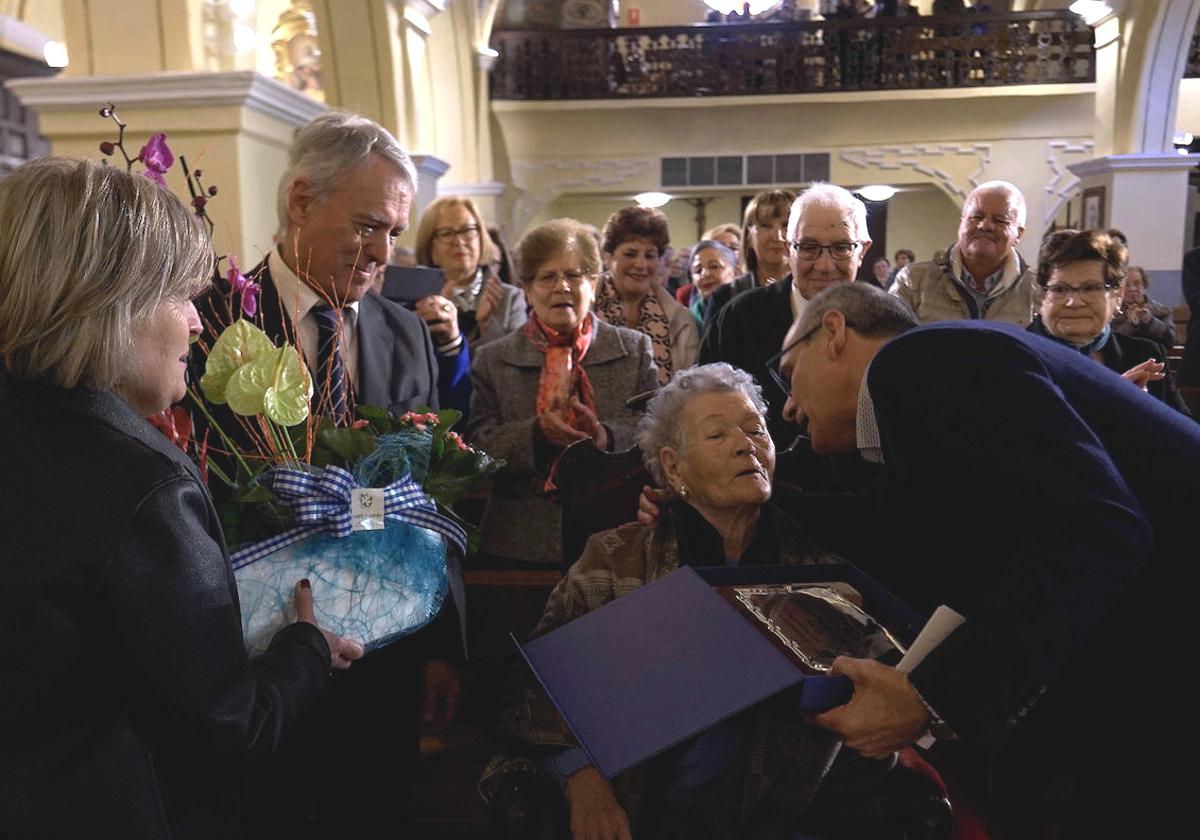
(198, 400)
(220, 473)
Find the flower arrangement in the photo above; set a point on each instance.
(362, 507)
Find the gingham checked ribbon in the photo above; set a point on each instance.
(322, 505)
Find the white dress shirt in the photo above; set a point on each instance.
(298, 299)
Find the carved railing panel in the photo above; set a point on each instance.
(809, 57)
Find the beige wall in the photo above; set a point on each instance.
(1188, 118)
(924, 220)
(944, 140)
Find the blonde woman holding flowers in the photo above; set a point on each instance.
(128, 705)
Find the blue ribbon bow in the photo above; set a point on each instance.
(321, 502)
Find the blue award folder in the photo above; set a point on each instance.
(667, 661)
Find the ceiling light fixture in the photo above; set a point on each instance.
(652, 199)
(877, 192)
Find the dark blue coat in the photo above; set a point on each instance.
(1047, 499)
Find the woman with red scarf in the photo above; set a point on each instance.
(564, 377)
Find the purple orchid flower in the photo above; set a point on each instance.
(157, 157)
(247, 287)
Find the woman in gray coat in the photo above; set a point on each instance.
(563, 377)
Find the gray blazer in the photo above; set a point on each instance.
(517, 523)
(509, 315)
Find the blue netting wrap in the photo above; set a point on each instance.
(372, 586)
(398, 453)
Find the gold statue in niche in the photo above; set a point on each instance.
(297, 50)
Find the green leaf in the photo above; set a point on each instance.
(381, 420)
(276, 384)
(448, 417)
(287, 398)
(239, 344)
(347, 445)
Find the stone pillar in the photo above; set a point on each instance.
(1137, 183)
(235, 126)
(1147, 197)
(430, 169)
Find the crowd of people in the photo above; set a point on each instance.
(971, 429)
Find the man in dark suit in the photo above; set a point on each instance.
(1039, 495)
(343, 200)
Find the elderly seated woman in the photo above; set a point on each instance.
(704, 434)
(713, 266)
(563, 377)
(630, 295)
(1142, 317)
(1081, 277)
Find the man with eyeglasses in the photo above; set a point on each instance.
(1017, 489)
(827, 237)
(981, 276)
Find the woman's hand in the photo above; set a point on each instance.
(341, 651)
(441, 316)
(489, 298)
(595, 814)
(1148, 371)
(1139, 315)
(555, 428)
(590, 423)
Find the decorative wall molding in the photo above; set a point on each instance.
(917, 158)
(1125, 163)
(244, 88)
(419, 14)
(431, 166)
(1062, 184)
(480, 189)
(541, 181)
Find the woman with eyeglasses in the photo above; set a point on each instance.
(562, 378)
(1081, 280)
(474, 305)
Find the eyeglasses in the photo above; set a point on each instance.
(810, 251)
(773, 363)
(446, 236)
(1060, 292)
(551, 279)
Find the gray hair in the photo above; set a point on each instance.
(829, 195)
(660, 426)
(869, 311)
(1015, 196)
(87, 251)
(720, 247)
(332, 144)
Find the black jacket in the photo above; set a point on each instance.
(128, 706)
(1122, 352)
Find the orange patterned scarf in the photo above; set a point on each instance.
(562, 374)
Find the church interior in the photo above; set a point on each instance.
(546, 109)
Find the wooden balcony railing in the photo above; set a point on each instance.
(812, 57)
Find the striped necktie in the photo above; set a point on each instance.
(329, 392)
